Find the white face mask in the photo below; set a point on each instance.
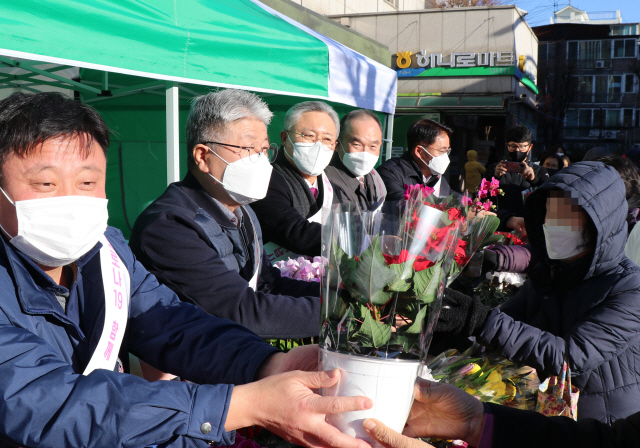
(57, 231)
(310, 158)
(246, 181)
(359, 163)
(437, 165)
(562, 242)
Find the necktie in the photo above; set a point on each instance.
(314, 192)
(433, 180)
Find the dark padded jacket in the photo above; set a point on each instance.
(587, 311)
(211, 265)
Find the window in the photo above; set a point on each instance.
(572, 51)
(600, 89)
(624, 48)
(393, 3)
(613, 117)
(587, 52)
(627, 117)
(629, 82)
(598, 118)
(624, 30)
(584, 118)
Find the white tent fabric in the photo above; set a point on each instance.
(354, 79)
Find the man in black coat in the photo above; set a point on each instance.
(424, 163)
(516, 184)
(299, 192)
(202, 243)
(444, 411)
(351, 171)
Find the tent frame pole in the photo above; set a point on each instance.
(173, 132)
(25, 66)
(388, 135)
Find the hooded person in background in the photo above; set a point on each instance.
(299, 190)
(351, 171)
(473, 171)
(581, 302)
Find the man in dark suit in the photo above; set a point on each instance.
(351, 171)
(424, 163)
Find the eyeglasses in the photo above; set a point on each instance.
(271, 151)
(311, 138)
(522, 148)
(439, 152)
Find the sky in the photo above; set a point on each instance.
(540, 11)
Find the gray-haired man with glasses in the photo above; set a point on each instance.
(299, 192)
(203, 240)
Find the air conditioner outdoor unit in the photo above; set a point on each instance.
(600, 64)
(610, 134)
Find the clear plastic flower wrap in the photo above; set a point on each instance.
(383, 283)
(488, 376)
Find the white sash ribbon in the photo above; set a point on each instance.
(257, 256)
(117, 293)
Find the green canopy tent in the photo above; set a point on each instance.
(140, 62)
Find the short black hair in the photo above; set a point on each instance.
(354, 115)
(518, 134)
(555, 156)
(30, 119)
(425, 131)
(627, 171)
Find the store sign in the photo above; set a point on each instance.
(462, 59)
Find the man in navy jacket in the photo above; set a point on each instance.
(201, 237)
(64, 311)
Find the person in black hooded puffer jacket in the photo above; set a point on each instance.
(586, 311)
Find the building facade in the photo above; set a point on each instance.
(474, 69)
(330, 7)
(589, 90)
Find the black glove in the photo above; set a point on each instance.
(461, 314)
(490, 261)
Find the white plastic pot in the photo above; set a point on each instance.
(388, 382)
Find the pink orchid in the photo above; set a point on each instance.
(482, 193)
(485, 185)
(494, 192)
(487, 205)
(495, 183)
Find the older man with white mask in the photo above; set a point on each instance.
(201, 237)
(74, 301)
(351, 172)
(299, 192)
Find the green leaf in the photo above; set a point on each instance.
(491, 239)
(417, 325)
(366, 278)
(400, 284)
(373, 333)
(426, 283)
(407, 340)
